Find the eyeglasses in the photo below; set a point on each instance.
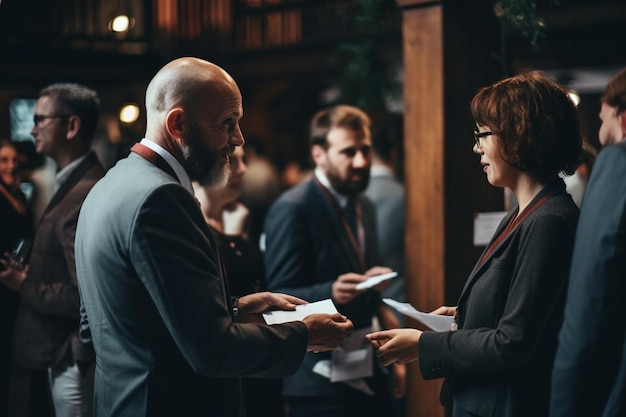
(38, 118)
(478, 135)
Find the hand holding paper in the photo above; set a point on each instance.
(326, 332)
(327, 328)
(432, 321)
(375, 280)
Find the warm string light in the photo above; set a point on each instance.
(129, 113)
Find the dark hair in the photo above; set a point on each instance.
(535, 122)
(388, 137)
(72, 98)
(6, 142)
(615, 92)
(338, 116)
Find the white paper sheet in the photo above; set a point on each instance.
(432, 321)
(323, 368)
(301, 311)
(354, 358)
(375, 280)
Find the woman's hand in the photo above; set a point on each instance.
(396, 345)
(444, 311)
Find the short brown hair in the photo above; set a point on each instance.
(535, 122)
(615, 92)
(337, 116)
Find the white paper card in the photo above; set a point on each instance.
(283, 316)
(434, 322)
(354, 358)
(485, 225)
(375, 280)
(323, 368)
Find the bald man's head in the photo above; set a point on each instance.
(186, 82)
(193, 109)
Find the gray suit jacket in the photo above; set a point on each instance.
(46, 328)
(589, 377)
(159, 312)
(387, 195)
(499, 361)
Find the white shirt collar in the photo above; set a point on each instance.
(64, 174)
(380, 171)
(341, 199)
(180, 172)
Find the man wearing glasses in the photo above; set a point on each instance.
(46, 328)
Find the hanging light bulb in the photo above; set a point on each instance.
(121, 24)
(129, 113)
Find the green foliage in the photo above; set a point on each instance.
(522, 17)
(365, 80)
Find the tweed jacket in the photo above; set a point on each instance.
(46, 328)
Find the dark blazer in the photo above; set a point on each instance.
(589, 377)
(158, 309)
(307, 248)
(499, 361)
(46, 329)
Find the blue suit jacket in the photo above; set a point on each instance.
(589, 377)
(307, 248)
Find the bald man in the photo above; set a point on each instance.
(169, 340)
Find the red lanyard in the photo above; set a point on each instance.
(514, 222)
(353, 239)
(156, 159)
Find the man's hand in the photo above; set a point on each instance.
(261, 302)
(344, 287)
(10, 277)
(326, 331)
(379, 270)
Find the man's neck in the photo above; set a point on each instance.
(65, 157)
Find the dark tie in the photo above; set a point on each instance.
(350, 210)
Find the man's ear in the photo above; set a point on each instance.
(622, 122)
(73, 127)
(175, 123)
(318, 154)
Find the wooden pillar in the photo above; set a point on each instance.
(448, 49)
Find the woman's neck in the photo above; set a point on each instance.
(526, 189)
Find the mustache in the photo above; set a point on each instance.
(228, 150)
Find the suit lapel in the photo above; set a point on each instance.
(337, 229)
(75, 176)
(479, 268)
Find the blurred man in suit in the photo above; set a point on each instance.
(46, 328)
(164, 326)
(387, 194)
(320, 243)
(589, 376)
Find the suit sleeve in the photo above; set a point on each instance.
(591, 341)
(539, 273)
(175, 258)
(290, 263)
